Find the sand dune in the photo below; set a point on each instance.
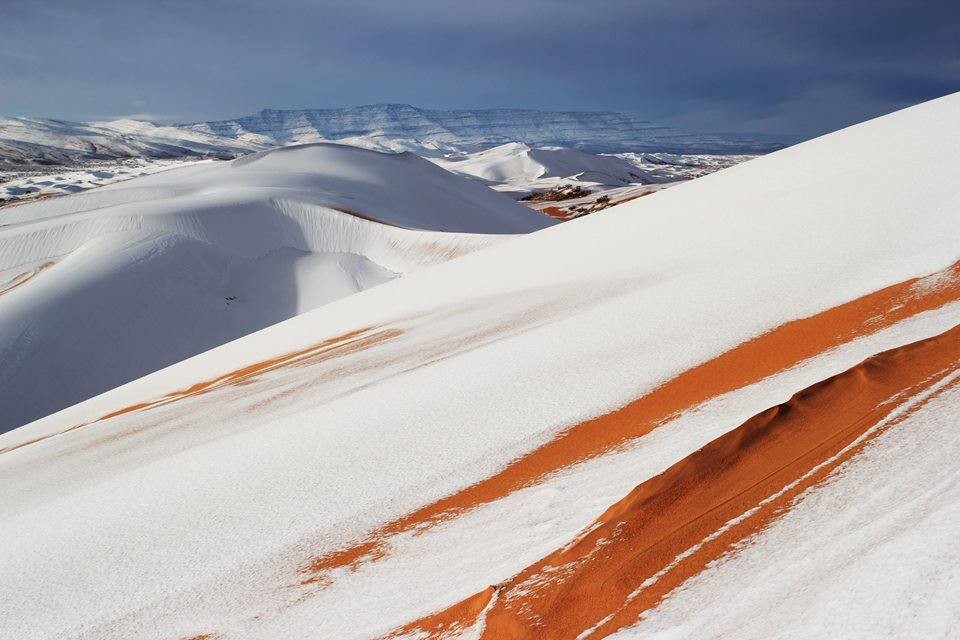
(140, 275)
(672, 526)
(585, 431)
(773, 352)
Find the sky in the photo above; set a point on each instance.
(767, 66)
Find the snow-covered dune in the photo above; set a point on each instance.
(727, 409)
(102, 287)
(518, 165)
(567, 183)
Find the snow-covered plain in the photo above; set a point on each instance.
(37, 182)
(199, 514)
(102, 287)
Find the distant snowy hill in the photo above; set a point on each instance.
(102, 287)
(474, 129)
(565, 183)
(28, 142)
(514, 150)
(519, 164)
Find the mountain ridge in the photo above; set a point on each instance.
(395, 127)
(475, 129)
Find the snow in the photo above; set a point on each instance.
(194, 516)
(872, 553)
(30, 142)
(480, 143)
(519, 170)
(517, 164)
(470, 130)
(38, 182)
(489, 544)
(670, 167)
(222, 248)
(40, 142)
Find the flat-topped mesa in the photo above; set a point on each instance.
(475, 129)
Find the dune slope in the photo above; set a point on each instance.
(633, 424)
(103, 287)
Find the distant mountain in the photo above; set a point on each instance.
(32, 142)
(405, 127)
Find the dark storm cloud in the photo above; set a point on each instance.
(710, 65)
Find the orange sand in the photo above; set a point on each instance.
(341, 345)
(745, 364)
(631, 559)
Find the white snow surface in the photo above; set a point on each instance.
(670, 167)
(40, 182)
(518, 169)
(42, 141)
(872, 553)
(523, 527)
(518, 164)
(102, 287)
(195, 517)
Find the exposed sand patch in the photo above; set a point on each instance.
(672, 526)
(22, 278)
(748, 363)
(344, 344)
